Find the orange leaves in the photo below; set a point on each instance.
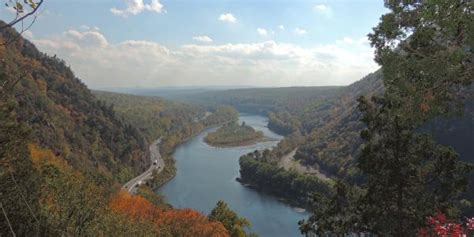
(180, 222)
(424, 107)
(40, 156)
(428, 97)
(188, 222)
(134, 206)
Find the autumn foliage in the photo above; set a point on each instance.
(178, 222)
(440, 226)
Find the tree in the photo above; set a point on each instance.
(425, 49)
(22, 10)
(231, 221)
(408, 175)
(19, 186)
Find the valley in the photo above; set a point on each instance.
(218, 119)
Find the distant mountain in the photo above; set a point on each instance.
(175, 93)
(266, 100)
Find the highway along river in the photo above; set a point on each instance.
(207, 174)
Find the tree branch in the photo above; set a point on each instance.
(16, 20)
(8, 221)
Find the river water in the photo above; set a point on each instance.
(206, 175)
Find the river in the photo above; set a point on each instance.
(206, 174)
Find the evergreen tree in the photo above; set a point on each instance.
(425, 49)
(232, 222)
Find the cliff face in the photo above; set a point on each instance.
(64, 116)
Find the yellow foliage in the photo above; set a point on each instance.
(41, 156)
(42, 86)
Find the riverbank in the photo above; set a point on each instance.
(170, 170)
(241, 144)
(288, 162)
(206, 174)
(234, 135)
(297, 205)
(157, 165)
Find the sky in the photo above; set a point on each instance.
(163, 43)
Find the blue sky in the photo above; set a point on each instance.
(155, 43)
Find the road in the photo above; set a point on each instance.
(288, 162)
(157, 163)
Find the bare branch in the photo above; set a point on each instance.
(22, 196)
(8, 221)
(9, 41)
(16, 20)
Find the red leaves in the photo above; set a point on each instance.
(441, 227)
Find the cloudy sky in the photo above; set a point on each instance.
(156, 43)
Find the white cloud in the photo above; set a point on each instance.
(100, 63)
(87, 38)
(203, 38)
(281, 27)
(86, 28)
(28, 35)
(262, 32)
(323, 9)
(227, 17)
(300, 31)
(134, 7)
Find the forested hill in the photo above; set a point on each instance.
(64, 155)
(264, 100)
(323, 122)
(64, 116)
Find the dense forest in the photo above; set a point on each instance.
(296, 188)
(264, 100)
(65, 117)
(233, 134)
(65, 153)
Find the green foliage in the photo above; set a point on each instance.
(232, 222)
(153, 116)
(233, 134)
(407, 173)
(264, 100)
(222, 115)
(64, 116)
(268, 177)
(174, 122)
(150, 195)
(426, 56)
(18, 180)
(426, 53)
(336, 211)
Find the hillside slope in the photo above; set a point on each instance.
(63, 154)
(65, 117)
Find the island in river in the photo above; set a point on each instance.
(234, 135)
(206, 175)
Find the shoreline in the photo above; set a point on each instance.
(240, 144)
(156, 186)
(293, 204)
